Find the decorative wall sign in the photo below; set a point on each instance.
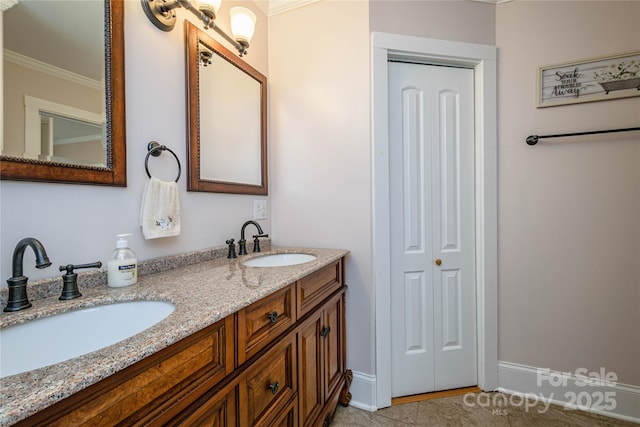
(595, 79)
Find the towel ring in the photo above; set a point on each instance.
(155, 150)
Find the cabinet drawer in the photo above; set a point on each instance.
(262, 321)
(270, 383)
(314, 288)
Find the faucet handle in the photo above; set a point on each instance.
(256, 241)
(70, 280)
(71, 267)
(232, 249)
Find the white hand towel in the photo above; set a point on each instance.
(160, 210)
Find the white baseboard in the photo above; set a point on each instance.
(363, 391)
(598, 395)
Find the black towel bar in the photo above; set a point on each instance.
(155, 150)
(533, 139)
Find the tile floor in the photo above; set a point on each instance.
(452, 411)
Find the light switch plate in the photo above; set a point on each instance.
(259, 209)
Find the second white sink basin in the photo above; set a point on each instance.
(279, 260)
(54, 339)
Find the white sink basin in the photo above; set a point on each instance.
(279, 260)
(49, 340)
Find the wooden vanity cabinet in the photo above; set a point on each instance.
(277, 362)
(291, 373)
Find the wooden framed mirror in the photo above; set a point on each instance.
(64, 122)
(226, 119)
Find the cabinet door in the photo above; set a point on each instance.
(270, 383)
(287, 418)
(215, 410)
(333, 342)
(311, 398)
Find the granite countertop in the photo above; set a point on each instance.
(202, 293)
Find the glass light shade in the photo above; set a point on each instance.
(209, 6)
(243, 24)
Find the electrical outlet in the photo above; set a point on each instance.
(259, 209)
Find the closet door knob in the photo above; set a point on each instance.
(438, 261)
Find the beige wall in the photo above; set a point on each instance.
(78, 223)
(569, 211)
(455, 20)
(92, 151)
(320, 155)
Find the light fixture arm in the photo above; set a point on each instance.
(161, 13)
(241, 47)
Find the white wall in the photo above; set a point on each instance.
(78, 223)
(320, 140)
(569, 211)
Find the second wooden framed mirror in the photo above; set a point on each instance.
(226, 119)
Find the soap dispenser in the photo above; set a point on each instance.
(122, 267)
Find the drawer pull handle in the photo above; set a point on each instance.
(273, 316)
(325, 331)
(274, 387)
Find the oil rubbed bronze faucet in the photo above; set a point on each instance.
(242, 243)
(17, 299)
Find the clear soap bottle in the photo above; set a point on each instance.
(122, 267)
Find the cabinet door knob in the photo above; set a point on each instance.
(438, 261)
(325, 331)
(274, 387)
(273, 316)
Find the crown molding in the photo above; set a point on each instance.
(7, 4)
(52, 70)
(492, 1)
(274, 7)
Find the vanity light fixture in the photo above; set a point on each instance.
(162, 14)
